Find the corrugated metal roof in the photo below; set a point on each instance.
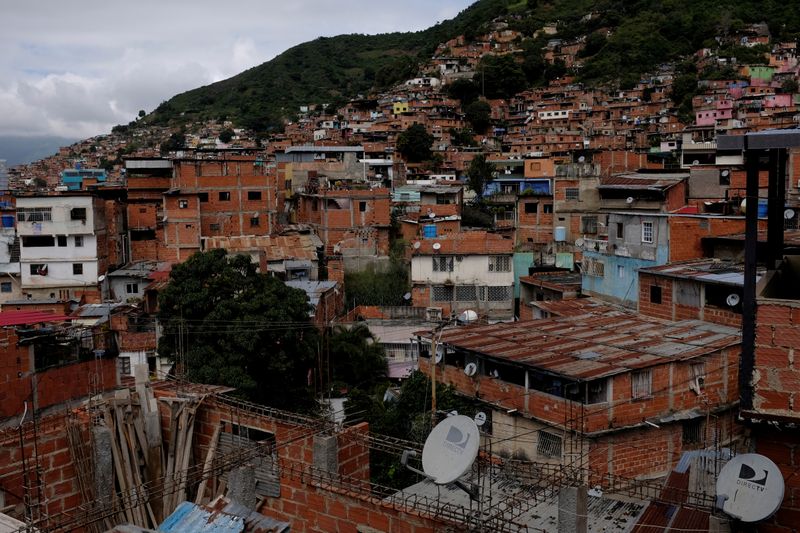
(617, 340)
(221, 516)
(18, 318)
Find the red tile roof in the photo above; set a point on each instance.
(466, 243)
(18, 318)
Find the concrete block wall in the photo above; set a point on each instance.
(776, 377)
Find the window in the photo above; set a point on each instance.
(124, 365)
(647, 232)
(5, 286)
(131, 288)
(499, 263)
(78, 213)
(589, 224)
(620, 231)
(693, 431)
(62, 240)
(549, 445)
(224, 196)
(78, 241)
(466, 293)
(441, 293)
(214, 227)
(620, 272)
(254, 195)
(362, 207)
(548, 208)
(77, 269)
(254, 222)
(655, 294)
(698, 374)
(183, 204)
(34, 214)
(443, 264)
(38, 269)
(38, 241)
(572, 193)
(202, 196)
(725, 177)
(595, 268)
(531, 208)
(641, 384)
(498, 294)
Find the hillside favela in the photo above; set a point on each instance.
(532, 267)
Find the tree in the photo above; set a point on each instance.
(176, 141)
(358, 361)
(239, 328)
(463, 137)
(501, 76)
(142, 113)
(466, 91)
(479, 174)
(226, 135)
(415, 144)
(479, 115)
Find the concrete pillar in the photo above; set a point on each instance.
(572, 510)
(242, 486)
(103, 462)
(326, 453)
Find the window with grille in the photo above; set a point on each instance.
(595, 268)
(647, 232)
(499, 263)
(693, 431)
(77, 213)
(441, 293)
(549, 445)
(443, 264)
(34, 214)
(572, 193)
(124, 365)
(466, 293)
(588, 224)
(498, 294)
(78, 241)
(641, 384)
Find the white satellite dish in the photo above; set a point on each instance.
(788, 214)
(416, 245)
(439, 353)
(751, 487)
(696, 162)
(467, 317)
(733, 299)
(581, 159)
(437, 246)
(431, 215)
(629, 200)
(480, 418)
(450, 449)
(101, 277)
(471, 369)
(725, 173)
(579, 242)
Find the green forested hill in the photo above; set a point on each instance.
(645, 34)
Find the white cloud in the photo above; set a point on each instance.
(89, 65)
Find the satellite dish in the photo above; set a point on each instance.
(471, 369)
(101, 277)
(468, 316)
(453, 413)
(696, 162)
(431, 215)
(788, 214)
(629, 200)
(416, 245)
(480, 418)
(439, 353)
(579, 242)
(751, 487)
(437, 246)
(725, 173)
(581, 159)
(450, 449)
(407, 296)
(733, 299)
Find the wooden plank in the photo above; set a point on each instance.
(212, 451)
(187, 454)
(116, 454)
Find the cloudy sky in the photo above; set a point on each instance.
(76, 68)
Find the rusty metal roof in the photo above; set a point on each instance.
(594, 344)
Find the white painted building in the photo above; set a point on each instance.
(62, 244)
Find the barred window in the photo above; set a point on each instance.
(693, 431)
(441, 293)
(595, 268)
(641, 384)
(499, 263)
(124, 365)
(466, 293)
(572, 193)
(498, 294)
(34, 214)
(588, 224)
(443, 263)
(549, 445)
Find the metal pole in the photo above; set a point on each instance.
(749, 301)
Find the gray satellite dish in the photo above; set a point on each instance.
(581, 159)
(416, 245)
(431, 215)
(450, 449)
(480, 418)
(629, 200)
(439, 353)
(751, 487)
(732, 299)
(471, 369)
(436, 246)
(579, 242)
(407, 296)
(788, 214)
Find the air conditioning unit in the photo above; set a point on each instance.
(433, 314)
